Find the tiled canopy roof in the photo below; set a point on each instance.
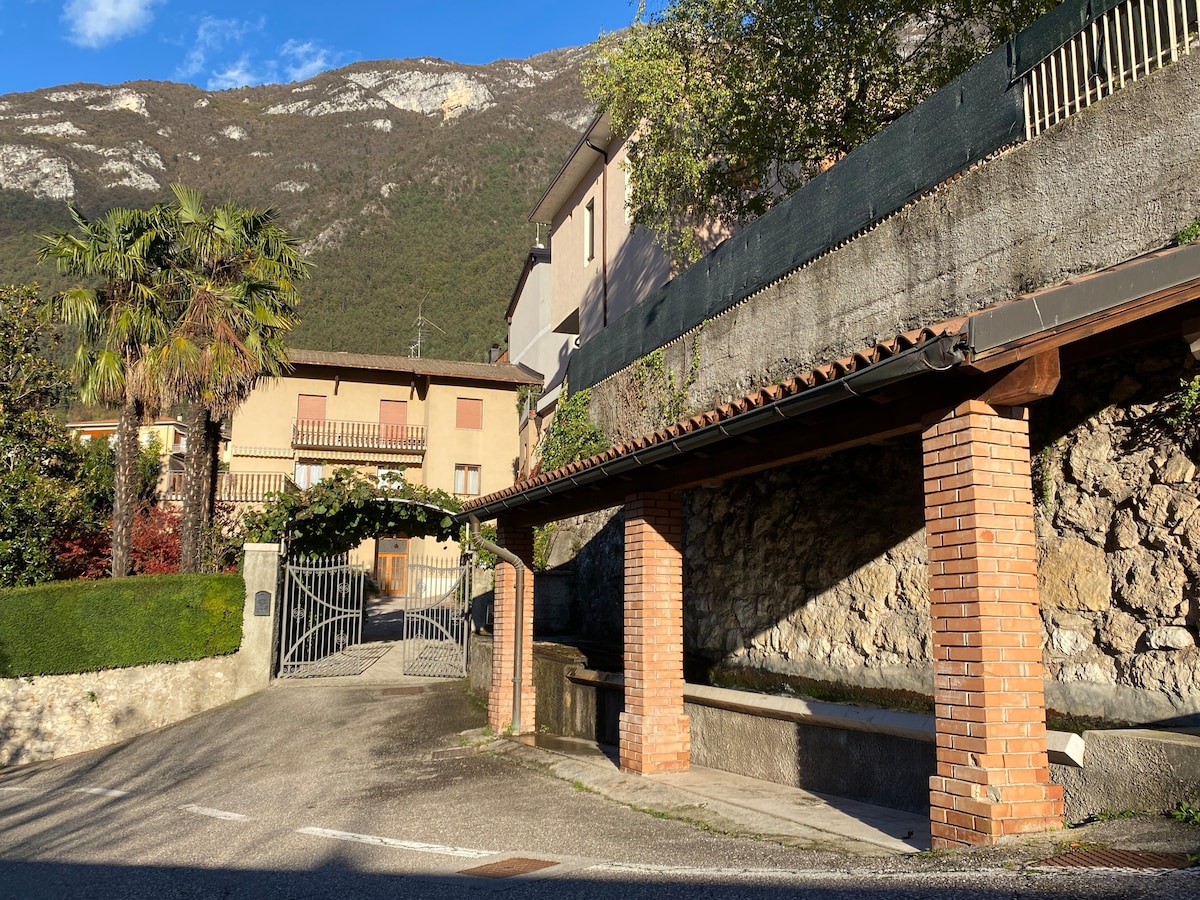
(799, 383)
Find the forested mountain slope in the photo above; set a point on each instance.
(407, 180)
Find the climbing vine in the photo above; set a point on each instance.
(338, 513)
(572, 434)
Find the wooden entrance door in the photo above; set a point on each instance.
(391, 566)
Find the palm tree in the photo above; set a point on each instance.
(235, 273)
(118, 325)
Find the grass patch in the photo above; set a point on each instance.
(84, 626)
(1187, 813)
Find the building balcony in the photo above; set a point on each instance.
(330, 434)
(236, 487)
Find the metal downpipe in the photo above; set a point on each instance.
(512, 559)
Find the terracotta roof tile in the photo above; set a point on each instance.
(798, 383)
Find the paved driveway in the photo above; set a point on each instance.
(324, 790)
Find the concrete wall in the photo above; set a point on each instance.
(872, 755)
(1106, 185)
(44, 717)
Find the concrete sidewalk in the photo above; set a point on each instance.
(726, 802)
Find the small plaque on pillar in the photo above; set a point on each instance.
(262, 603)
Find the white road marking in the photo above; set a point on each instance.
(393, 842)
(101, 792)
(214, 813)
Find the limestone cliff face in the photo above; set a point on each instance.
(394, 153)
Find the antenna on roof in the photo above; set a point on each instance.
(422, 324)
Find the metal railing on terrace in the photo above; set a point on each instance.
(1119, 45)
(236, 487)
(330, 434)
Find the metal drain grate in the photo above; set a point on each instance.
(507, 868)
(1118, 859)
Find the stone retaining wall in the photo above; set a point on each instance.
(47, 716)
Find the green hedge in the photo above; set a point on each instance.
(83, 626)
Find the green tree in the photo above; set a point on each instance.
(732, 104)
(39, 495)
(118, 323)
(234, 271)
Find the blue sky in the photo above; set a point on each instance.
(216, 44)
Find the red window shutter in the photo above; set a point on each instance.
(393, 412)
(469, 413)
(310, 407)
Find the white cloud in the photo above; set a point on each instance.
(213, 35)
(304, 59)
(94, 23)
(240, 74)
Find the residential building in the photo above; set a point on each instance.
(443, 424)
(171, 434)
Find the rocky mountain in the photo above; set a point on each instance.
(408, 181)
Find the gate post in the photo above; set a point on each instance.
(507, 632)
(256, 658)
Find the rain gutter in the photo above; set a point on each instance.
(477, 538)
(937, 355)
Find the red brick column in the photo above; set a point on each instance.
(506, 632)
(655, 734)
(992, 774)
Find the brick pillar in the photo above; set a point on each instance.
(655, 734)
(992, 774)
(506, 632)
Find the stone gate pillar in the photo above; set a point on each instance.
(992, 777)
(507, 631)
(655, 733)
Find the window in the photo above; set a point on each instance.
(308, 473)
(466, 480)
(589, 231)
(469, 414)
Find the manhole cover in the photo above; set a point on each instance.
(1118, 859)
(507, 868)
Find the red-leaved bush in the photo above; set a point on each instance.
(155, 541)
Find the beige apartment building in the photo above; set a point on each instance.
(446, 424)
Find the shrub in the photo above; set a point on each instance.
(83, 626)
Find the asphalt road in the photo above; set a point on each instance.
(314, 791)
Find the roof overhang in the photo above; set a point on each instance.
(1009, 354)
(583, 156)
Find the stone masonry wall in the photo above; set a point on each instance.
(815, 569)
(44, 717)
(1118, 536)
(819, 569)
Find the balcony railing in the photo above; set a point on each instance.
(329, 434)
(237, 487)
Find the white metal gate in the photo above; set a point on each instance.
(437, 607)
(322, 618)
